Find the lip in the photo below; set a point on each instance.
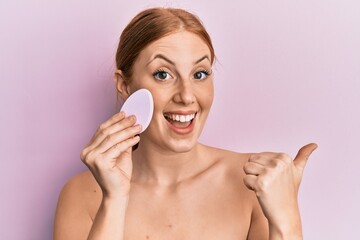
(182, 131)
(181, 112)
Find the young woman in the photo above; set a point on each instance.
(171, 186)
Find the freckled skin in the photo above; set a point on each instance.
(174, 186)
(179, 189)
(214, 204)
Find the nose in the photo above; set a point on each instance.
(185, 93)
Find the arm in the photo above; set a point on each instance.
(110, 220)
(261, 229)
(259, 226)
(289, 228)
(108, 156)
(74, 219)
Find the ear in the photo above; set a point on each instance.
(121, 84)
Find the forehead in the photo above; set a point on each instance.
(179, 46)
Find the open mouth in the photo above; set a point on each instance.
(180, 120)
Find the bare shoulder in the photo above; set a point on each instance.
(230, 165)
(83, 182)
(77, 205)
(82, 190)
(230, 160)
(80, 184)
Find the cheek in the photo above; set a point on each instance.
(160, 99)
(209, 101)
(207, 96)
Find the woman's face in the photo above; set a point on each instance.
(177, 70)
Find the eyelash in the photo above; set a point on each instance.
(160, 71)
(206, 72)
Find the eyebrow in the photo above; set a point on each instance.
(203, 58)
(161, 56)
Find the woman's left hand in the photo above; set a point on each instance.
(275, 178)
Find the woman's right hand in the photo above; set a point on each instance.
(108, 154)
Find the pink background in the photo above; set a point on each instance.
(288, 73)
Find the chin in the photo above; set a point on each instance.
(181, 146)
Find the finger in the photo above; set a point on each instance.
(117, 138)
(121, 147)
(93, 143)
(250, 182)
(111, 121)
(117, 127)
(104, 133)
(123, 123)
(253, 168)
(263, 158)
(304, 154)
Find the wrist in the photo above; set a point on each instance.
(291, 230)
(115, 201)
(115, 195)
(286, 223)
(110, 218)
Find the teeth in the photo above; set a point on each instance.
(180, 118)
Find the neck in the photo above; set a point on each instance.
(163, 167)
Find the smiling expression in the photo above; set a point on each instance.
(177, 70)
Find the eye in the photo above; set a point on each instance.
(161, 75)
(201, 75)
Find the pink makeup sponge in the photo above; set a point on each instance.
(140, 104)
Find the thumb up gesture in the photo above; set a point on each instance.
(275, 178)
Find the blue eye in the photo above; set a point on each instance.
(201, 75)
(161, 75)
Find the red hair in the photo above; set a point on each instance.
(151, 25)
